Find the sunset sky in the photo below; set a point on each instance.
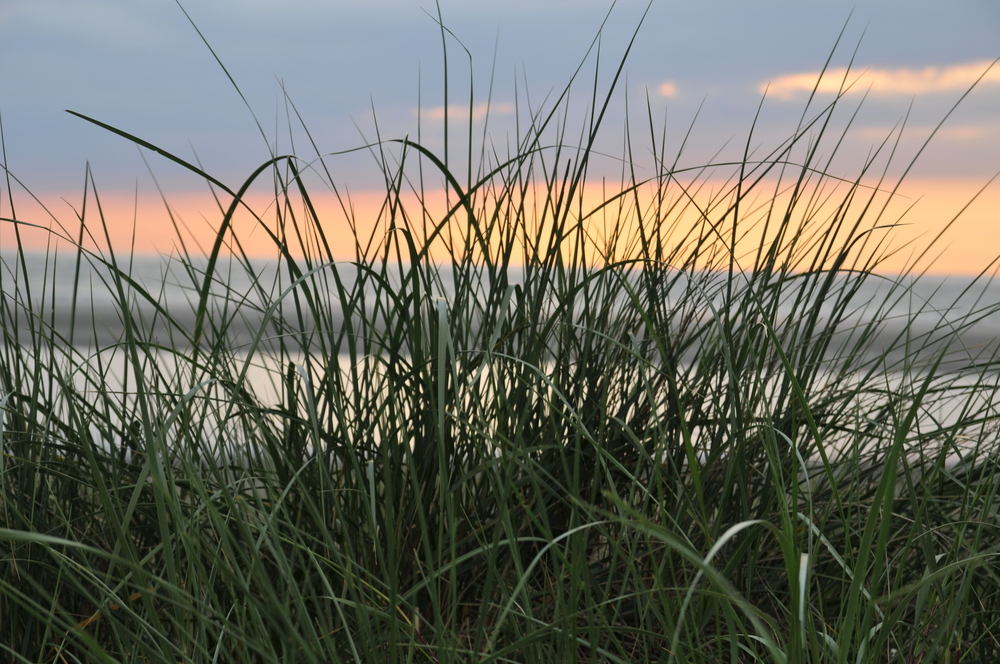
(141, 66)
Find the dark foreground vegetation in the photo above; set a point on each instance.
(635, 446)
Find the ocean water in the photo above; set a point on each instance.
(82, 305)
(932, 312)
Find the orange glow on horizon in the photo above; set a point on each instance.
(144, 225)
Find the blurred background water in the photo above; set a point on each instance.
(920, 317)
(963, 312)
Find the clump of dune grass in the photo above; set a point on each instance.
(550, 445)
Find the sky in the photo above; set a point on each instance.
(353, 67)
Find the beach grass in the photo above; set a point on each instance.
(524, 428)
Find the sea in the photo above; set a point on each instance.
(962, 313)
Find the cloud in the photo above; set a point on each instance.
(461, 111)
(105, 22)
(902, 81)
(969, 132)
(667, 89)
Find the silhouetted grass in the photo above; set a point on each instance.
(550, 446)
